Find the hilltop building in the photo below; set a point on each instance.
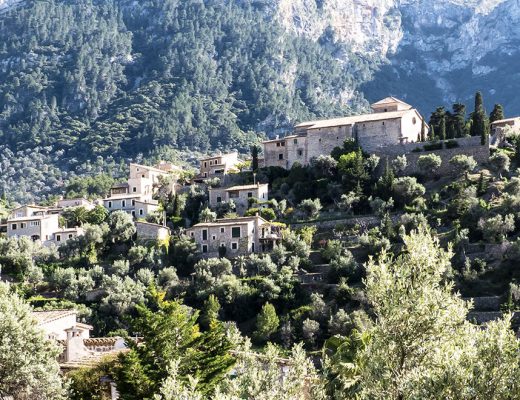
(391, 122)
(135, 196)
(234, 237)
(240, 195)
(218, 166)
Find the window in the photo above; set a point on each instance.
(319, 140)
(386, 109)
(249, 194)
(414, 120)
(58, 238)
(213, 237)
(234, 246)
(22, 225)
(123, 203)
(134, 189)
(219, 199)
(278, 144)
(295, 141)
(222, 230)
(300, 153)
(235, 232)
(133, 213)
(142, 176)
(204, 234)
(19, 215)
(383, 122)
(109, 204)
(137, 169)
(280, 156)
(34, 223)
(282, 144)
(141, 212)
(133, 202)
(205, 164)
(70, 235)
(204, 248)
(211, 163)
(192, 234)
(252, 247)
(14, 227)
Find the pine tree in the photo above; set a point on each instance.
(171, 334)
(266, 323)
(210, 311)
(479, 126)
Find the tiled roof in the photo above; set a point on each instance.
(246, 187)
(390, 100)
(231, 221)
(356, 119)
(502, 121)
(44, 317)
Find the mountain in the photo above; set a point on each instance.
(87, 85)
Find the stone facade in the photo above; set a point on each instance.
(470, 146)
(148, 231)
(239, 236)
(392, 122)
(499, 126)
(218, 166)
(240, 196)
(135, 196)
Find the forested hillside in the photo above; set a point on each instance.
(86, 84)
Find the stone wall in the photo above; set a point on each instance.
(469, 146)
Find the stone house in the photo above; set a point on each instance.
(238, 236)
(240, 195)
(135, 196)
(71, 203)
(391, 122)
(499, 126)
(40, 224)
(218, 166)
(146, 231)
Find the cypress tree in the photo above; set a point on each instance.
(442, 128)
(254, 156)
(497, 113)
(458, 122)
(423, 131)
(481, 185)
(479, 120)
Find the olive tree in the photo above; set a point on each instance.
(429, 164)
(463, 164)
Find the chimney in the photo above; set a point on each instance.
(74, 347)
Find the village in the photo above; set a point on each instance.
(392, 131)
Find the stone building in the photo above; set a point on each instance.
(147, 231)
(234, 237)
(39, 224)
(391, 122)
(240, 195)
(218, 166)
(499, 126)
(135, 196)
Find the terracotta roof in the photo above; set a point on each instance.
(231, 221)
(101, 341)
(150, 168)
(290, 136)
(502, 121)
(390, 100)
(44, 317)
(32, 218)
(217, 156)
(246, 187)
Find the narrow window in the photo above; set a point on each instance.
(109, 204)
(204, 248)
(249, 194)
(123, 203)
(70, 235)
(280, 156)
(222, 230)
(134, 189)
(204, 234)
(295, 141)
(58, 238)
(219, 199)
(133, 202)
(141, 212)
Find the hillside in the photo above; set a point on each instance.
(86, 86)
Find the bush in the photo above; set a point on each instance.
(451, 144)
(433, 146)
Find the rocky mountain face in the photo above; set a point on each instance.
(429, 53)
